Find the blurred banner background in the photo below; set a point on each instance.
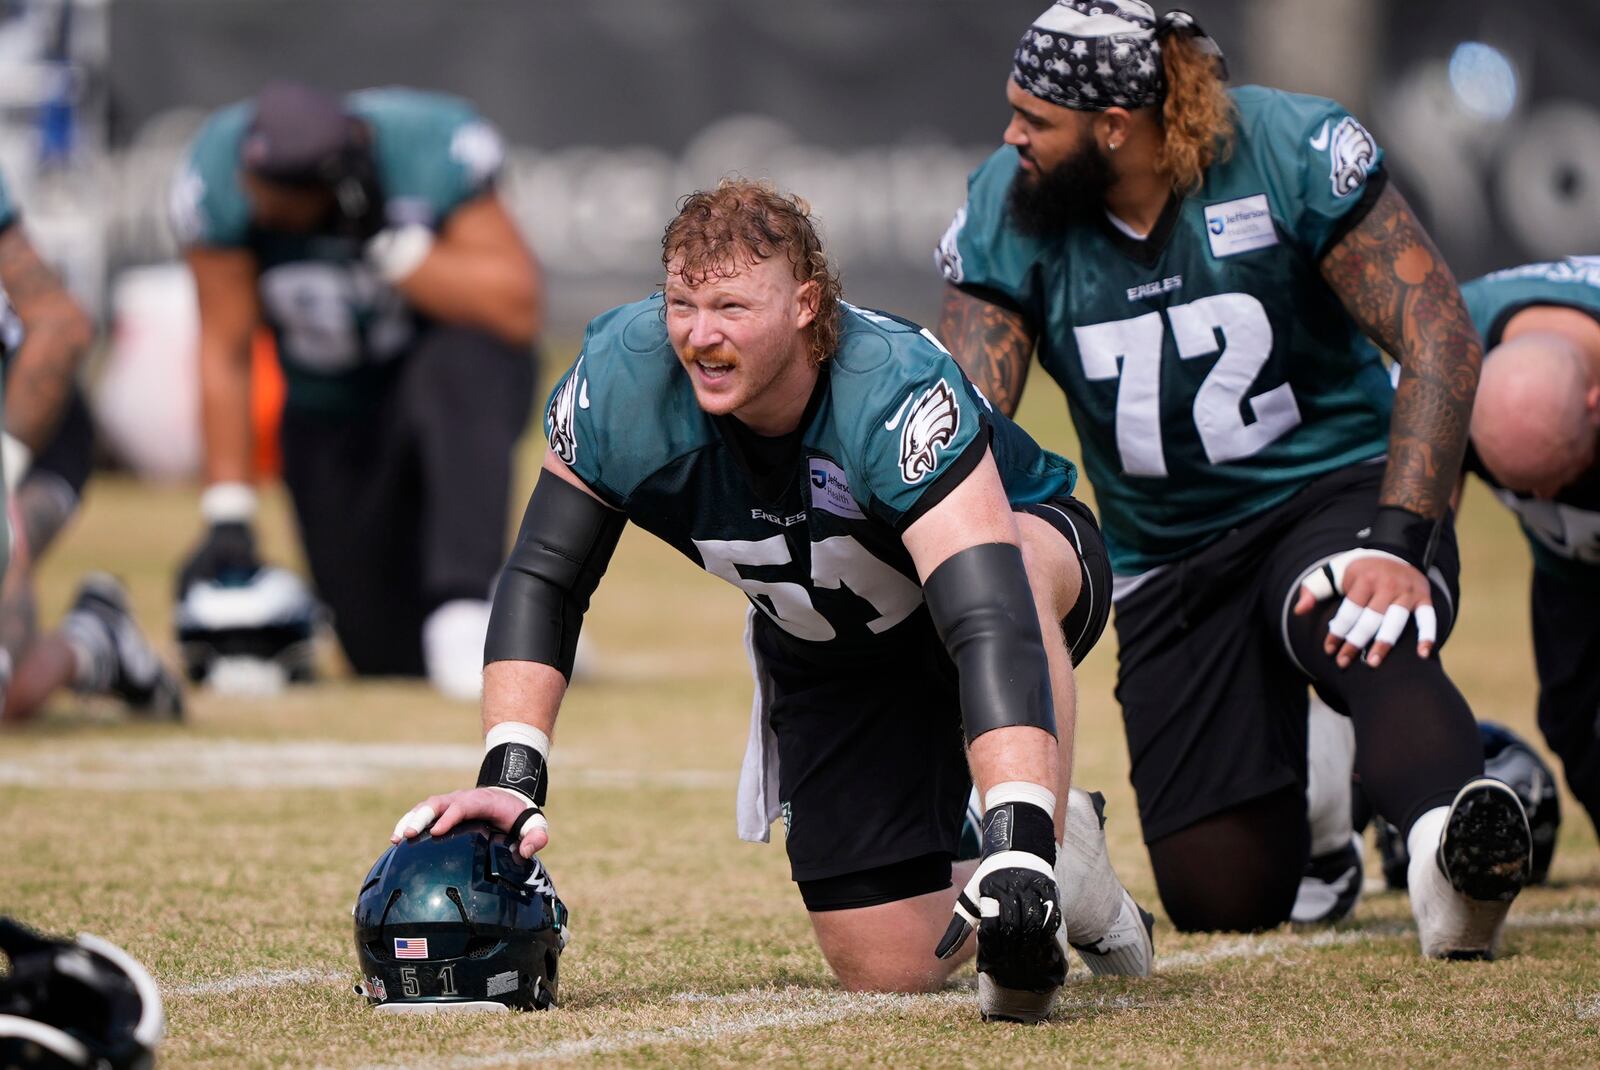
(872, 109)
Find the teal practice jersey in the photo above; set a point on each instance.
(337, 324)
(1564, 532)
(815, 543)
(1210, 370)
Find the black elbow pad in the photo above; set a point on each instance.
(983, 609)
(563, 547)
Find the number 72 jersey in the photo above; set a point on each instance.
(1210, 370)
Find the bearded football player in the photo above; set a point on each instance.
(1197, 267)
(921, 583)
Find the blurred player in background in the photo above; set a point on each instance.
(368, 234)
(1196, 267)
(1536, 443)
(916, 564)
(48, 441)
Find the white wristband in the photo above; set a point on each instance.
(1020, 791)
(228, 503)
(16, 457)
(517, 732)
(395, 253)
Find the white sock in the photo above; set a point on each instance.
(1330, 759)
(1423, 839)
(1091, 895)
(452, 647)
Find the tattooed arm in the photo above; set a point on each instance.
(1402, 294)
(57, 336)
(993, 345)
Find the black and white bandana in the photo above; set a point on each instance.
(1096, 54)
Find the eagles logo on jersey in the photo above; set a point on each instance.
(931, 425)
(1352, 153)
(563, 406)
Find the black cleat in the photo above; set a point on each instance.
(1330, 886)
(1487, 848)
(100, 627)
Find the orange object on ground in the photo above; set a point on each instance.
(266, 403)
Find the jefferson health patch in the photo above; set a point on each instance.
(1240, 226)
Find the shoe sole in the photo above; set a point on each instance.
(1487, 848)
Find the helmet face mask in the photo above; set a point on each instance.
(459, 922)
(85, 1003)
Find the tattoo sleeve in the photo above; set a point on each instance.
(993, 345)
(57, 334)
(1402, 294)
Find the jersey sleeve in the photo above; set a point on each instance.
(981, 252)
(1324, 168)
(592, 421)
(431, 147)
(928, 437)
(206, 204)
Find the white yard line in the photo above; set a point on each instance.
(256, 981)
(258, 765)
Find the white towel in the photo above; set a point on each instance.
(757, 806)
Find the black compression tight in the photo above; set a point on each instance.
(1237, 870)
(1416, 739)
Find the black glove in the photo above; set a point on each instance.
(1013, 902)
(226, 554)
(359, 209)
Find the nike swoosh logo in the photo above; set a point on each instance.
(1319, 140)
(894, 422)
(583, 394)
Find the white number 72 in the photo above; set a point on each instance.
(1130, 349)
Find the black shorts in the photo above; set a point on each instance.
(404, 505)
(1213, 702)
(872, 766)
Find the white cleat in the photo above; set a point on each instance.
(1462, 891)
(1110, 932)
(1128, 948)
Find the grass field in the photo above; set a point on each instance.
(226, 855)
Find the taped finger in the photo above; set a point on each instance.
(415, 820)
(1427, 624)
(1394, 622)
(1345, 619)
(1366, 627)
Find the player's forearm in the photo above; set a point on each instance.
(1018, 753)
(525, 692)
(993, 345)
(496, 290)
(1403, 295)
(225, 410)
(43, 372)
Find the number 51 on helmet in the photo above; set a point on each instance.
(459, 922)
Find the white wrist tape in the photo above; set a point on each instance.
(1020, 791)
(16, 457)
(224, 503)
(517, 732)
(395, 253)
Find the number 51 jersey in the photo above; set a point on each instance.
(810, 531)
(1210, 370)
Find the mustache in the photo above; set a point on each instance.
(711, 355)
